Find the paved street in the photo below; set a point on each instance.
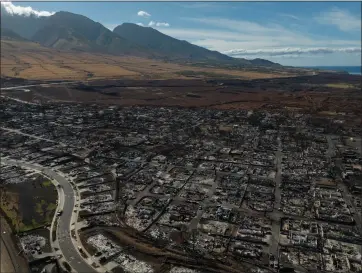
(10, 260)
(34, 85)
(275, 215)
(343, 187)
(69, 250)
(24, 134)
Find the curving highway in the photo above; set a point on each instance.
(69, 250)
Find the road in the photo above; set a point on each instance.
(276, 215)
(24, 134)
(7, 264)
(69, 250)
(23, 87)
(11, 261)
(18, 100)
(343, 187)
(33, 85)
(331, 147)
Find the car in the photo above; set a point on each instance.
(59, 212)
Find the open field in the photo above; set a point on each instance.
(340, 85)
(290, 93)
(31, 61)
(30, 204)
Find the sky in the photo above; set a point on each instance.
(290, 33)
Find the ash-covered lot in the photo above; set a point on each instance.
(201, 190)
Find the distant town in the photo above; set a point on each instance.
(149, 189)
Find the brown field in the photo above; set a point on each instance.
(126, 80)
(288, 93)
(33, 62)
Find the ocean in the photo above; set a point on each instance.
(355, 70)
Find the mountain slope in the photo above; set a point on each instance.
(29, 60)
(169, 47)
(61, 38)
(65, 30)
(25, 26)
(7, 34)
(262, 62)
(69, 31)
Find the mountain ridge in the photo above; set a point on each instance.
(170, 47)
(70, 31)
(8, 34)
(74, 31)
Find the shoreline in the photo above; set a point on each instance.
(351, 70)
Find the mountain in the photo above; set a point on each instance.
(65, 30)
(25, 26)
(7, 34)
(166, 46)
(263, 62)
(69, 31)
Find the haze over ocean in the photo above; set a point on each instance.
(355, 70)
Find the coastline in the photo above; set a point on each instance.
(352, 70)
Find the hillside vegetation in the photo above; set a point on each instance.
(29, 60)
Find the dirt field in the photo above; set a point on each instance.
(31, 61)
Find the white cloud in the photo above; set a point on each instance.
(290, 16)
(292, 51)
(342, 19)
(143, 14)
(158, 24)
(270, 41)
(228, 40)
(237, 25)
(140, 24)
(223, 34)
(12, 9)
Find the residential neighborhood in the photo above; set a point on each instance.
(168, 189)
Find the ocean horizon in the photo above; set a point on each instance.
(353, 70)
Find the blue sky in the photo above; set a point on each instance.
(291, 33)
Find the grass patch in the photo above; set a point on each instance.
(46, 210)
(12, 215)
(340, 85)
(329, 113)
(51, 207)
(9, 205)
(16, 220)
(47, 183)
(39, 207)
(201, 74)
